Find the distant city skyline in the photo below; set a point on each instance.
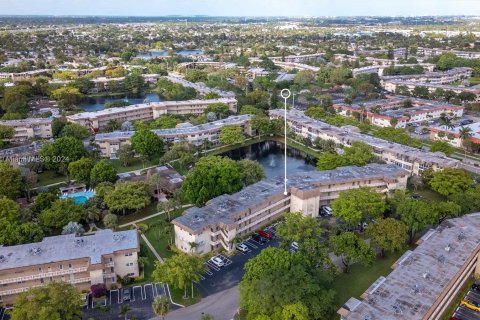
(307, 8)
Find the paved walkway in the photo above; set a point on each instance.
(149, 217)
(151, 248)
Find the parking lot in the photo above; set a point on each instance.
(465, 313)
(217, 279)
(139, 300)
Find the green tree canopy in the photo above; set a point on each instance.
(147, 143)
(128, 196)
(442, 146)
(212, 176)
(251, 170)
(103, 171)
(9, 210)
(125, 154)
(416, 215)
(54, 301)
(180, 270)
(61, 213)
(330, 161)
(220, 109)
(80, 169)
(388, 234)
(58, 154)
(76, 131)
(451, 180)
(289, 281)
(357, 205)
(351, 249)
(10, 180)
(232, 134)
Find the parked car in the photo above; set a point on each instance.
(326, 211)
(241, 247)
(475, 306)
(466, 121)
(127, 294)
(267, 235)
(217, 261)
(294, 246)
(476, 286)
(259, 238)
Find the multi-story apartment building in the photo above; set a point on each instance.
(425, 281)
(412, 159)
(392, 113)
(394, 85)
(452, 135)
(199, 86)
(147, 111)
(428, 52)
(436, 77)
(21, 155)
(109, 143)
(299, 58)
(79, 260)
(32, 128)
(27, 75)
(215, 225)
(379, 69)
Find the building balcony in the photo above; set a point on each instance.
(109, 264)
(43, 275)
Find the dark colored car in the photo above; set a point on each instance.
(259, 238)
(267, 235)
(476, 287)
(126, 294)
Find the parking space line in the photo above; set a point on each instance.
(145, 290)
(211, 265)
(247, 242)
(207, 271)
(141, 292)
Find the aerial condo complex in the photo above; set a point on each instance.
(240, 160)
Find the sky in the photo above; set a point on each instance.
(240, 7)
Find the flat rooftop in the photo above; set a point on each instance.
(432, 74)
(421, 275)
(184, 130)
(68, 247)
(346, 135)
(224, 208)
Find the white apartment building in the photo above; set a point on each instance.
(79, 260)
(32, 128)
(109, 143)
(436, 77)
(215, 225)
(411, 159)
(147, 111)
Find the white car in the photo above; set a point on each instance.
(217, 261)
(294, 246)
(241, 247)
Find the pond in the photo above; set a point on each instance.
(270, 155)
(163, 53)
(97, 103)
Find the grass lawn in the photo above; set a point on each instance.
(360, 278)
(150, 263)
(49, 177)
(430, 195)
(474, 81)
(142, 213)
(161, 234)
(137, 164)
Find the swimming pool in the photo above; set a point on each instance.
(80, 197)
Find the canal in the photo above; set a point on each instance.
(270, 154)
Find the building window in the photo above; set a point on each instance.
(131, 274)
(128, 254)
(129, 264)
(60, 267)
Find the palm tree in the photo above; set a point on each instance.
(166, 206)
(193, 245)
(124, 310)
(161, 306)
(465, 133)
(362, 111)
(445, 121)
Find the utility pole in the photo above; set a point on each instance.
(285, 94)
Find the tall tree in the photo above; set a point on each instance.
(58, 154)
(61, 213)
(232, 134)
(10, 180)
(416, 215)
(450, 180)
(387, 234)
(251, 170)
(465, 133)
(359, 205)
(351, 249)
(147, 143)
(125, 154)
(80, 170)
(103, 171)
(211, 177)
(161, 306)
(54, 301)
(181, 271)
(127, 196)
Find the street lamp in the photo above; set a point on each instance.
(285, 93)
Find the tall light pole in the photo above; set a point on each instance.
(293, 104)
(285, 93)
